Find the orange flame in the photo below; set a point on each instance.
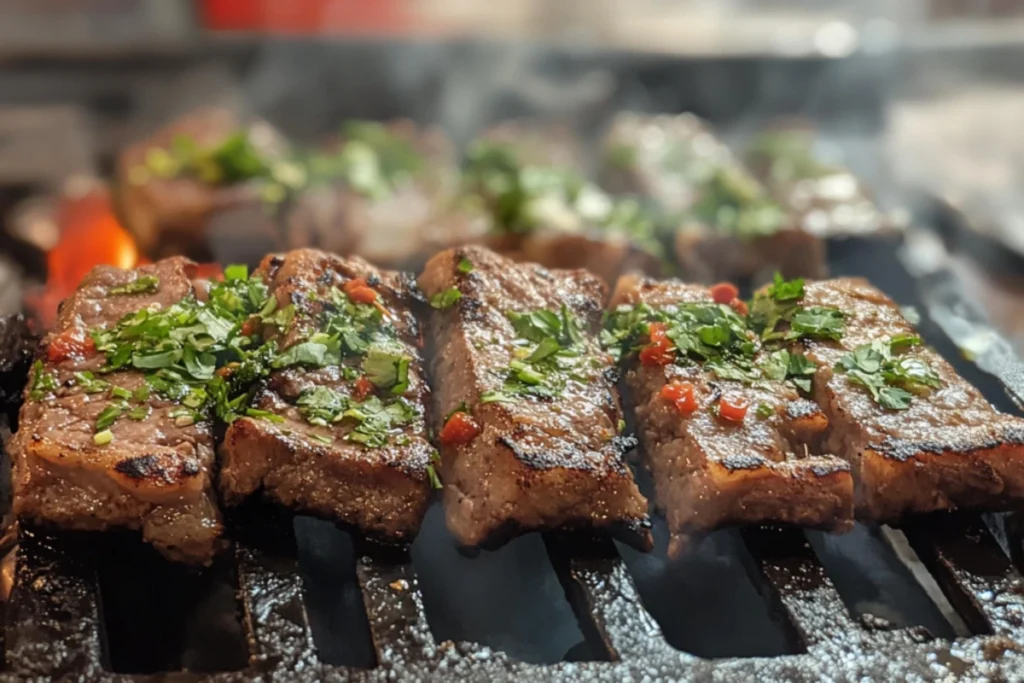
(90, 235)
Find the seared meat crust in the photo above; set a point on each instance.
(154, 476)
(536, 464)
(950, 449)
(381, 491)
(710, 472)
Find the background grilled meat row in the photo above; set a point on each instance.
(382, 491)
(662, 161)
(156, 474)
(709, 472)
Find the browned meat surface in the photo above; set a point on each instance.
(171, 215)
(553, 459)
(705, 256)
(949, 449)
(710, 471)
(603, 254)
(827, 199)
(729, 227)
(316, 466)
(155, 473)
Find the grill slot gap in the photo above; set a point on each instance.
(875, 585)
(163, 616)
(705, 602)
(509, 599)
(334, 602)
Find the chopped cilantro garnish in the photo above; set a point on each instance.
(141, 285)
(263, 415)
(465, 265)
(446, 298)
(43, 382)
(322, 438)
(387, 367)
(764, 410)
(109, 415)
(435, 481)
(547, 354)
(372, 420)
(893, 380)
(89, 383)
(778, 307)
(102, 438)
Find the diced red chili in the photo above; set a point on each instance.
(740, 306)
(659, 351)
(680, 394)
(359, 292)
(724, 292)
(363, 388)
(73, 342)
(250, 327)
(460, 428)
(732, 408)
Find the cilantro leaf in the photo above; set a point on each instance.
(817, 322)
(445, 299)
(145, 284)
(465, 265)
(387, 367)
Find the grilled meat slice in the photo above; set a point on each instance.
(713, 468)
(949, 448)
(369, 467)
(154, 473)
(532, 438)
(827, 199)
(171, 214)
(728, 226)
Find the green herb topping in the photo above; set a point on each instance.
(446, 298)
(776, 314)
(548, 352)
(372, 421)
(892, 378)
(196, 355)
(142, 285)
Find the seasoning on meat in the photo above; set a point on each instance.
(724, 424)
(526, 405)
(336, 429)
(918, 436)
(111, 434)
(725, 224)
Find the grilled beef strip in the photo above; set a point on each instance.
(171, 214)
(949, 448)
(380, 485)
(677, 163)
(827, 199)
(523, 461)
(710, 471)
(155, 473)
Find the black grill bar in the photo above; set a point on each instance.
(605, 600)
(270, 588)
(977, 577)
(798, 584)
(55, 601)
(394, 607)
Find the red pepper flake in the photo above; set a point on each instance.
(732, 408)
(363, 388)
(659, 351)
(724, 293)
(359, 292)
(680, 394)
(460, 429)
(740, 306)
(74, 342)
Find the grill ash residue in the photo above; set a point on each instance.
(510, 599)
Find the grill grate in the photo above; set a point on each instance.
(54, 623)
